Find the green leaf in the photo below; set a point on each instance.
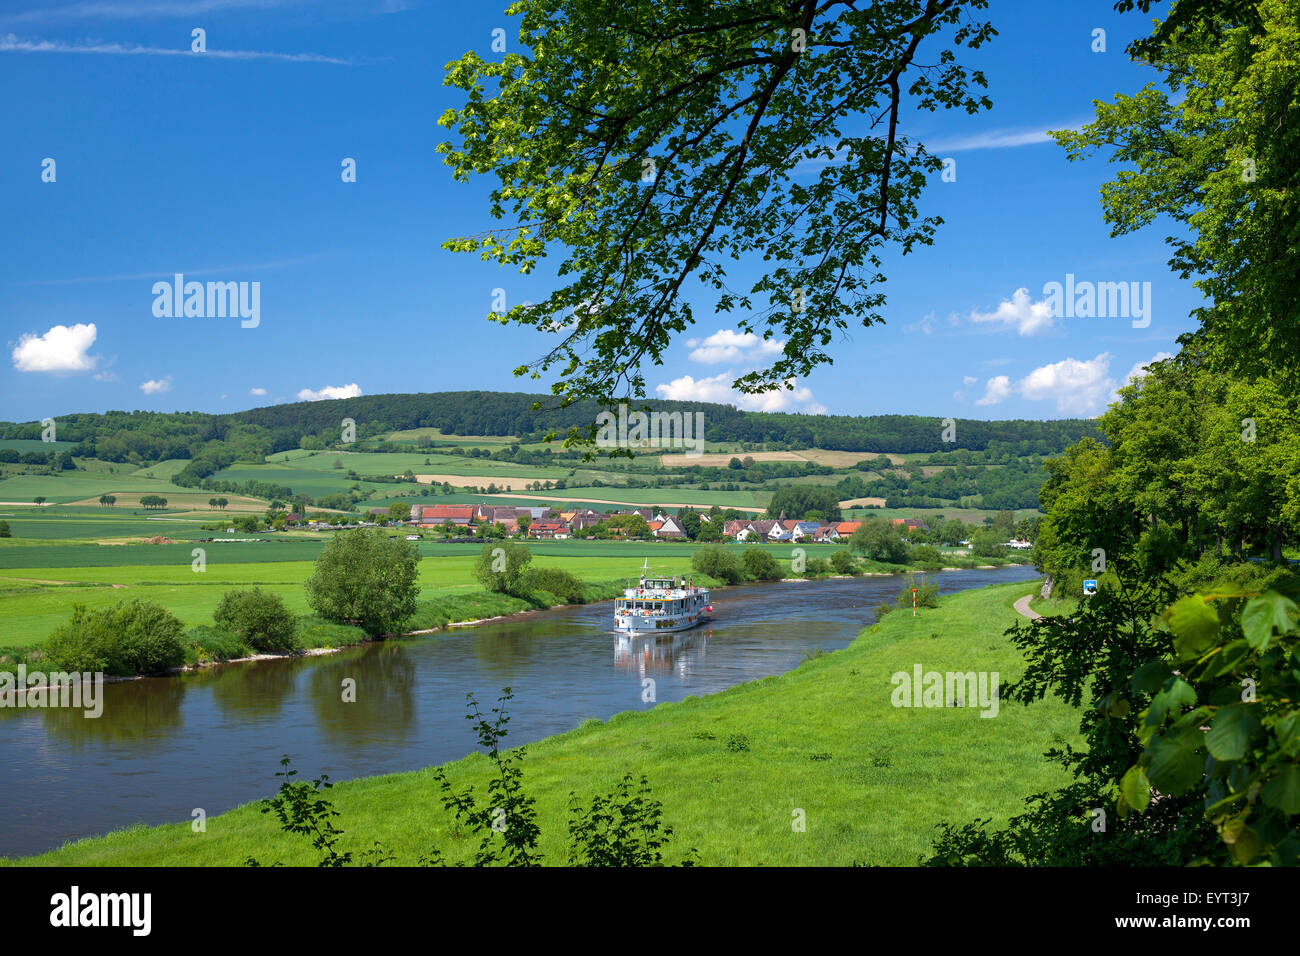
(1136, 788)
(1150, 677)
(1194, 624)
(1231, 731)
(1265, 614)
(1287, 732)
(1283, 791)
(1176, 695)
(1175, 767)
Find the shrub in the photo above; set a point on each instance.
(4, 530)
(927, 556)
(760, 565)
(927, 592)
(133, 637)
(843, 563)
(718, 563)
(259, 618)
(818, 566)
(564, 586)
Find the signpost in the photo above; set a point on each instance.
(1089, 588)
(914, 602)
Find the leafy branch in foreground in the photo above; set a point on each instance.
(657, 143)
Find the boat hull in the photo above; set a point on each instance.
(643, 628)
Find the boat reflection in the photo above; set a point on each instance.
(676, 652)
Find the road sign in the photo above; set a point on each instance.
(1089, 588)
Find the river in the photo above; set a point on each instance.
(212, 739)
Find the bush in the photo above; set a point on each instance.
(760, 565)
(718, 563)
(926, 555)
(927, 592)
(259, 618)
(564, 586)
(988, 543)
(843, 563)
(133, 637)
(817, 566)
(4, 530)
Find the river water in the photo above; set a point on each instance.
(213, 739)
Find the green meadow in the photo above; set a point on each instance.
(734, 770)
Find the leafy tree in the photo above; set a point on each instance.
(760, 565)
(260, 618)
(659, 142)
(367, 578)
(399, 511)
(4, 530)
(1216, 153)
(501, 567)
(797, 500)
(40, 499)
(879, 540)
(719, 563)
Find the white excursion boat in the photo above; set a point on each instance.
(657, 605)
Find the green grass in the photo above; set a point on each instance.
(892, 774)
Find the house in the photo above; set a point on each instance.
(463, 515)
(803, 529)
(824, 534)
(846, 528)
(1018, 544)
(668, 528)
(737, 528)
(548, 529)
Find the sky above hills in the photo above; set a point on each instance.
(227, 166)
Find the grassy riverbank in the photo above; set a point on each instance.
(730, 768)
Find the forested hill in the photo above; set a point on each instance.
(162, 435)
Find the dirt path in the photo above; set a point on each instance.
(1024, 610)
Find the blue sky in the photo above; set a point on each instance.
(226, 166)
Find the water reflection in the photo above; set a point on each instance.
(364, 695)
(143, 713)
(675, 653)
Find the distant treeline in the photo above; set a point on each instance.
(252, 434)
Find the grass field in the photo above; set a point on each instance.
(731, 769)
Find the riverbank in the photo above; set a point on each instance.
(731, 768)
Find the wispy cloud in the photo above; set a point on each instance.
(994, 139)
(9, 43)
(175, 9)
(226, 270)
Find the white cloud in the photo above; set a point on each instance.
(330, 391)
(996, 389)
(156, 386)
(61, 349)
(728, 345)
(257, 391)
(105, 376)
(717, 388)
(1139, 370)
(969, 380)
(1019, 312)
(1077, 387)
